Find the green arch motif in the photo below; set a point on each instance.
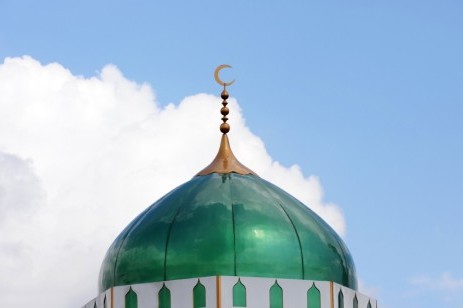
(340, 299)
(276, 296)
(199, 295)
(239, 294)
(164, 297)
(104, 302)
(131, 300)
(369, 304)
(356, 302)
(313, 297)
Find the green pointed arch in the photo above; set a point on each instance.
(164, 297)
(199, 295)
(276, 296)
(313, 297)
(369, 304)
(131, 299)
(239, 294)
(356, 302)
(340, 299)
(105, 305)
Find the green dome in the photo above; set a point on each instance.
(231, 225)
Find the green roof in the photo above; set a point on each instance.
(231, 225)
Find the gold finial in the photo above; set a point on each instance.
(224, 127)
(225, 161)
(217, 78)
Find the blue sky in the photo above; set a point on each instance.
(367, 95)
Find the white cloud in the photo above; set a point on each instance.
(369, 290)
(445, 286)
(445, 281)
(80, 157)
(19, 186)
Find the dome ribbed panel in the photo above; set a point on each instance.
(141, 253)
(324, 252)
(262, 232)
(201, 239)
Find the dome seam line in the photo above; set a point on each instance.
(125, 238)
(167, 241)
(234, 238)
(341, 245)
(294, 228)
(234, 228)
(170, 231)
(130, 228)
(298, 239)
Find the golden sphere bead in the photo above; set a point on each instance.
(224, 128)
(224, 110)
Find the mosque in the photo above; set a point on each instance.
(228, 238)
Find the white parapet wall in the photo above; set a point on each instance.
(219, 290)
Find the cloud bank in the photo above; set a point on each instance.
(445, 286)
(81, 157)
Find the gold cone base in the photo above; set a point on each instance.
(225, 161)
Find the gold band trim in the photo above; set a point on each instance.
(331, 295)
(218, 290)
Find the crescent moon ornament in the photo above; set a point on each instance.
(217, 78)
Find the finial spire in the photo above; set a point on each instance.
(224, 127)
(225, 161)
